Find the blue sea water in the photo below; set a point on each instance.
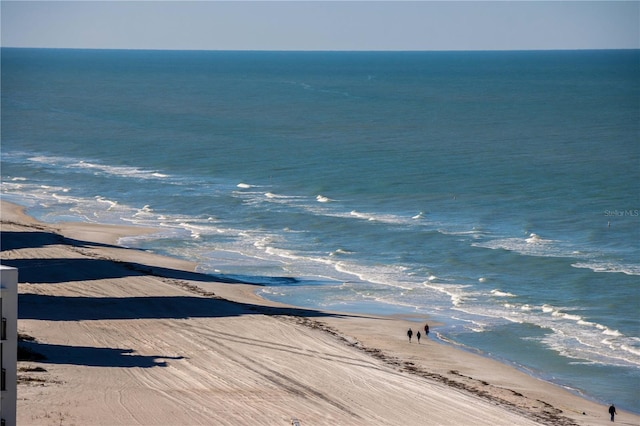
(496, 193)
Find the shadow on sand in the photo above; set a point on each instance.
(66, 308)
(81, 308)
(11, 240)
(53, 271)
(95, 357)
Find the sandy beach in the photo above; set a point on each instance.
(133, 338)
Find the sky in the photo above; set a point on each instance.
(321, 25)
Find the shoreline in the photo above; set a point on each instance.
(99, 297)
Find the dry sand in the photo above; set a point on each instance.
(133, 338)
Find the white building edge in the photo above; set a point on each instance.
(8, 345)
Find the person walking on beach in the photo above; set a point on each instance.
(426, 329)
(418, 336)
(612, 411)
(410, 333)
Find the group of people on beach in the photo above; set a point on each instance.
(418, 335)
(612, 408)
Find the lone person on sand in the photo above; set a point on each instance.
(612, 411)
(418, 336)
(426, 329)
(410, 333)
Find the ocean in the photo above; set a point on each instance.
(496, 193)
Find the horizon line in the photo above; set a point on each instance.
(324, 50)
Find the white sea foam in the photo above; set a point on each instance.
(536, 239)
(575, 338)
(611, 267)
(477, 327)
(458, 293)
(547, 308)
(144, 211)
(281, 197)
(609, 332)
(586, 346)
(385, 275)
(354, 214)
(65, 199)
(97, 167)
(572, 317)
(323, 199)
(124, 171)
(476, 233)
(199, 229)
(499, 293)
(340, 251)
(534, 245)
(375, 217)
(260, 198)
(44, 159)
(53, 189)
(361, 215)
(111, 203)
(632, 350)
